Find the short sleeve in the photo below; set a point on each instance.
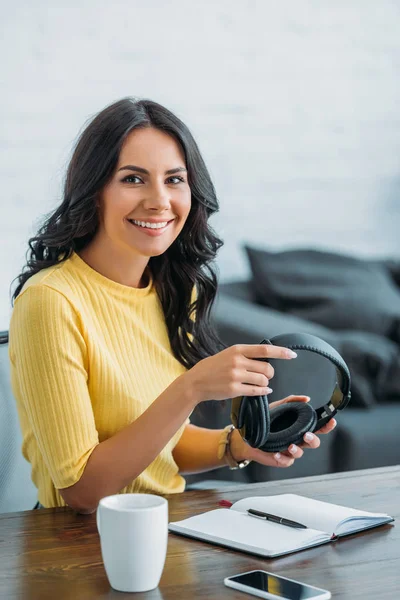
(49, 374)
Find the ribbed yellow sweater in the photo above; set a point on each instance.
(88, 356)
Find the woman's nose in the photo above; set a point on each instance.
(158, 198)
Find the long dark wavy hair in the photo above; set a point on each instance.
(188, 262)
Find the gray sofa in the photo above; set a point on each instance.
(364, 438)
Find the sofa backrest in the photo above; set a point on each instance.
(238, 289)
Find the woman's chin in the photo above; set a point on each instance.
(150, 250)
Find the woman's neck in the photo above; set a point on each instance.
(117, 265)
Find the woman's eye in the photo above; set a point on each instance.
(179, 179)
(136, 179)
(130, 178)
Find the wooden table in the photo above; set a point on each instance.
(55, 554)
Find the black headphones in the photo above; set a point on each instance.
(310, 374)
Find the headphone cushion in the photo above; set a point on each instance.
(288, 424)
(257, 421)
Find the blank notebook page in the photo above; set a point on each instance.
(320, 515)
(250, 533)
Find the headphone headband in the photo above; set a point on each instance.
(251, 415)
(311, 343)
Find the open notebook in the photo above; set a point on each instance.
(235, 528)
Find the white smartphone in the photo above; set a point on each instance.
(274, 587)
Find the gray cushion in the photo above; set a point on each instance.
(334, 290)
(242, 322)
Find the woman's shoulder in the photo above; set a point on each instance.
(47, 283)
(47, 275)
(44, 301)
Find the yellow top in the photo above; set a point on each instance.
(88, 356)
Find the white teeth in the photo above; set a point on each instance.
(150, 225)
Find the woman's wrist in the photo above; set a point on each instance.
(187, 391)
(239, 449)
(228, 446)
(191, 387)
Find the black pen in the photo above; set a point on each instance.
(276, 519)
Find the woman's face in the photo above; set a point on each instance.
(144, 206)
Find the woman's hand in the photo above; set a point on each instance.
(240, 450)
(235, 372)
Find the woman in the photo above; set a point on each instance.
(111, 347)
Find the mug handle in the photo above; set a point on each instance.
(98, 520)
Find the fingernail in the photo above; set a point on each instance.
(309, 436)
(291, 354)
(308, 398)
(293, 449)
(277, 456)
(334, 421)
(269, 390)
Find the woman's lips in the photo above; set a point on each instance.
(151, 232)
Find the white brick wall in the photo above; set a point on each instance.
(295, 105)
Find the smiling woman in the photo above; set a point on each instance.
(123, 167)
(142, 209)
(111, 346)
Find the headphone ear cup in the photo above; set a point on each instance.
(257, 421)
(251, 416)
(288, 423)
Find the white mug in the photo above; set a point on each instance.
(133, 532)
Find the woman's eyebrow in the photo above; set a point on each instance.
(146, 172)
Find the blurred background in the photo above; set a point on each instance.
(295, 106)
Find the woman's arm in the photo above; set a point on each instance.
(197, 450)
(117, 461)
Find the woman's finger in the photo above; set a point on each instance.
(328, 427)
(294, 451)
(265, 351)
(310, 440)
(292, 398)
(269, 459)
(256, 366)
(282, 460)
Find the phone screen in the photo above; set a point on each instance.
(282, 588)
